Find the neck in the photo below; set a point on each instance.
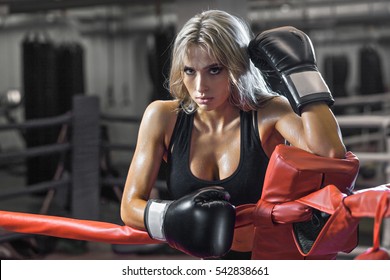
(217, 120)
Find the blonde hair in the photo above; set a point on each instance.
(226, 38)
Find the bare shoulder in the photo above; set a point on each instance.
(273, 110)
(277, 105)
(159, 120)
(161, 111)
(268, 116)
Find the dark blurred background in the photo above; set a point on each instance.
(119, 52)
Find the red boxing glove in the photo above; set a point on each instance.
(291, 212)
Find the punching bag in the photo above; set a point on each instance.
(336, 73)
(70, 71)
(40, 100)
(336, 69)
(52, 75)
(70, 61)
(159, 58)
(371, 77)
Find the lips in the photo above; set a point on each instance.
(204, 100)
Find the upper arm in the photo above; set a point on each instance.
(145, 164)
(315, 131)
(149, 150)
(290, 125)
(279, 123)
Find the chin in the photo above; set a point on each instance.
(206, 108)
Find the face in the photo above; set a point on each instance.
(205, 79)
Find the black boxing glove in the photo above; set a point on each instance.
(287, 54)
(200, 224)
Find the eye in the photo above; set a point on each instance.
(188, 71)
(215, 70)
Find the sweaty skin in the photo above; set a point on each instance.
(216, 132)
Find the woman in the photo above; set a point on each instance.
(223, 122)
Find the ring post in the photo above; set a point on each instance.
(85, 158)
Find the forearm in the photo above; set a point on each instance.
(132, 213)
(321, 131)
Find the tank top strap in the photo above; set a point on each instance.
(181, 135)
(250, 135)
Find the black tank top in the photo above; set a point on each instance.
(244, 185)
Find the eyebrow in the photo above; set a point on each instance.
(206, 67)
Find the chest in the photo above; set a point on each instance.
(214, 156)
(234, 161)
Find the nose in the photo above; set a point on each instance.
(201, 83)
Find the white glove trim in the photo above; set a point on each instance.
(307, 83)
(155, 218)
